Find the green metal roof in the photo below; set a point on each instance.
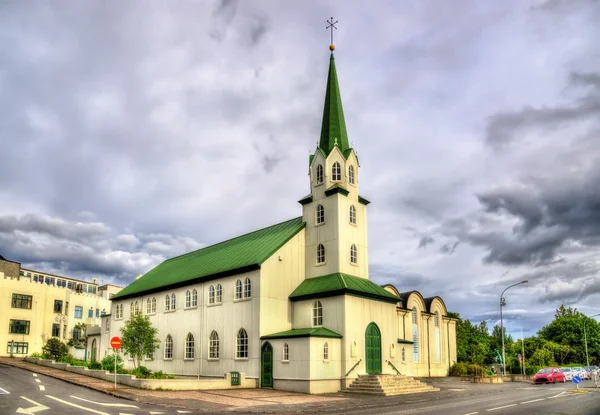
(340, 284)
(310, 332)
(334, 124)
(234, 256)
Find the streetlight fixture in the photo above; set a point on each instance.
(587, 358)
(502, 304)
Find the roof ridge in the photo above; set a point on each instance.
(232, 239)
(341, 276)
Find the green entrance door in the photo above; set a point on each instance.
(373, 349)
(266, 366)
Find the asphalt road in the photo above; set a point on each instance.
(23, 392)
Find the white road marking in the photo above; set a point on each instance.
(35, 375)
(76, 406)
(123, 413)
(118, 405)
(37, 408)
(557, 396)
(189, 412)
(456, 390)
(38, 381)
(156, 413)
(4, 392)
(501, 407)
(472, 413)
(535, 400)
(42, 387)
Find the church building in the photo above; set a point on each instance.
(292, 305)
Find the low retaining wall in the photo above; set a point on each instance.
(163, 384)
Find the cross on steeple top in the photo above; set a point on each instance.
(331, 26)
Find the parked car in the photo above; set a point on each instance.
(549, 375)
(567, 372)
(593, 369)
(582, 373)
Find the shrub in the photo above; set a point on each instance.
(532, 370)
(108, 363)
(459, 369)
(141, 372)
(56, 349)
(96, 365)
(36, 354)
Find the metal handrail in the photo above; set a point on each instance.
(393, 367)
(346, 375)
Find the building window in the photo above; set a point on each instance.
(173, 302)
(188, 299)
(326, 351)
(167, 303)
(189, 346)
(137, 308)
(18, 327)
(64, 331)
(353, 215)
(79, 311)
(21, 301)
(219, 293)
(148, 306)
(351, 174)
(414, 315)
(131, 309)
(238, 289)
(247, 288)
(242, 345)
(17, 348)
(76, 333)
(286, 352)
(404, 354)
(320, 254)
(153, 305)
(169, 347)
(213, 345)
(194, 298)
(320, 214)
(415, 344)
(58, 306)
(91, 313)
(336, 172)
(119, 311)
(436, 319)
(211, 295)
(438, 347)
(317, 314)
(55, 330)
(319, 174)
(353, 256)
(97, 312)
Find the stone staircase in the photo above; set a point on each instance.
(386, 385)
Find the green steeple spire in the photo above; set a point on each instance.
(333, 128)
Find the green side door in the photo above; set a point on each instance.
(266, 366)
(373, 349)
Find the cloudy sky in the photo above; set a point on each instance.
(135, 131)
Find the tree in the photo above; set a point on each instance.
(139, 338)
(55, 348)
(79, 339)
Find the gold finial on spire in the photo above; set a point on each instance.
(331, 26)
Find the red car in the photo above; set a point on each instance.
(549, 375)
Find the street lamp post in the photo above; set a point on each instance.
(587, 358)
(502, 304)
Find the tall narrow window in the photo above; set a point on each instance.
(153, 305)
(189, 346)
(242, 345)
(336, 172)
(169, 347)
(132, 309)
(320, 214)
(415, 343)
(238, 289)
(353, 215)
(319, 174)
(172, 301)
(351, 174)
(353, 255)
(167, 303)
(213, 345)
(438, 346)
(403, 354)
(286, 352)
(219, 296)
(247, 288)
(320, 254)
(188, 299)
(137, 308)
(211, 295)
(317, 314)
(326, 351)
(414, 315)
(148, 306)
(194, 298)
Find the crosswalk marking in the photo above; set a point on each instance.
(38, 381)
(42, 387)
(118, 405)
(77, 406)
(35, 375)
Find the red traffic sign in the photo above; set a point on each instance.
(115, 342)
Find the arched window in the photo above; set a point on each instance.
(211, 295)
(336, 172)
(320, 214)
(351, 174)
(286, 352)
(436, 319)
(241, 351)
(219, 293)
(132, 309)
(148, 306)
(319, 174)
(414, 315)
(326, 351)
(137, 308)
(189, 346)
(238, 289)
(317, 314)
(353, 215)
(353, 255)
(169, 347)
(320, 254)
(213, 345)
(153, 305)
(194, 298)
(247, 288)
(404, 354)
(188, 299)
(173, 301)
(167, 303)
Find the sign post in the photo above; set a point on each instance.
(12, 342)
(115, 343)
(577, 381)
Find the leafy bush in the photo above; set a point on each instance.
(36, 354)
(141, 372)
(96, 365)
(108, 363)
(532, 370)
(122, 371)
(474, 370)
(56, 349)
(459, 369)
(161, 375)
